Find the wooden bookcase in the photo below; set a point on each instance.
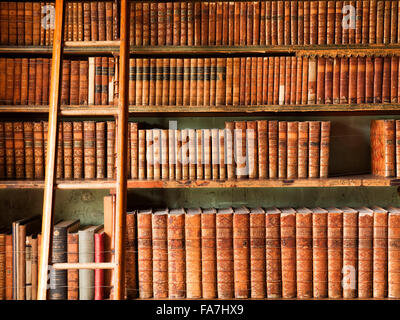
(113, 48)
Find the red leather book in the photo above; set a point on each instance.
(386, 80)
(369, 79)
(304, 95)
(321, 80)
(281, 22)
(344, 80)
(99, 273)
(262, 23)
(249, 23)
(360, 79)
(378, 75)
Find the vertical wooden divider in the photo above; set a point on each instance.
(54, 104)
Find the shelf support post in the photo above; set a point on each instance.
(54, 105)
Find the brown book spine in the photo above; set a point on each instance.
(171, 154)
(303, 150)
(193, 255)
(214, 154)
(220, 81)
(20, 23)
(228, 93)
(208, 255)
(197, 24)
(186, 81)
(78, 149)
(139, 80)
(314, 21)
(179, 81)
(17, 81)
(160, 254)
(133, 128)
(172, 82)
(280, 89)
(386, 79)
(145, 254)
(264, 82)
(60, 155)
(101, 11)
(344, 80)
(142, 154)
(86, 22)
(378, 77)
(9, 267)
(273, 148)
(94, 18)
(240, 149)
(131, 251)
(104, 80)
(65, 82)
(393, 254)
(225, 255)
(74, 77)
(157, 154)
(3, 80)
(360, 84)
(273, 254)
(329, 80)
(110, 149)
(176, 256)
(100, 148)
(263, 156)
(312, 80)
(67, 148)
(287, 81)
(299, 80)
(386, 22)
(221, 155)
(2, 266)
(213, 81)
(46, 79)
(293, 72)
(185, 154)
(178, 154)
(73, 257)
(304, 95)
(292, 149)
(89, 149)
(322, 22)
(380, 253)
(19, 154)
(28, 149)
(153, 24)
(132, 82)
(397, 146)
(252, 149)
(256, 23)
(282, 149)
(335, 252)
(12, 23)
(161, 25)
(321, 73)
(242, 81)
(32, 81)
(82, 78)
(165, 80)
(369, 79)
(365, 253)
(394, 79)
(389, 137)
(9, 149)
(350, 253)
(2, 152)
(199, 154)
(241, 253)
(288, 251)
(4, 12)
(324, 149)
(314, 149)
(235, 81)
(193, 82)
(149, 155)
(320, 253)
(218, 23)
(146, 24)
(229, 147)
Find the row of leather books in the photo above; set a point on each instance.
(264, 80)
(26, 81)
(264, 253)
(385, 147)
(19, 257)
(243, 23)
(32, 23)
(85, 150)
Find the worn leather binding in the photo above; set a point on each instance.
(329, 80)
(192, 153)
(89, 149)
(324, 149)
(145, 253)
(171, 154)
(383, 147)
(262, 151)
(394, 93)
(321, 74)
(252, 149)
(287, 80)
(185, 154)
(184, 23)
(28, 150)
(178, 154)
(111, 149)
(214, 154)
(17, 82)
(293, 72)
(304, 96)
(100, 147)
(2, 152)
(280, 91)
(220, 81)
(67, 148)
(320, 252)
(273, 148)
(240, 149)
(32, 81)
(393, 252)
(282, 149)
(160, 253)
(386, 79)
(19, 156)
(230, 151)
(335, 252)
(292, 149)
(378, 77)
(312, 80)
(141, 154)
(139, 80)
(208, 254)
(193, 82)
(186, 82)
(221, 154)
(365, 252)
(78, 149)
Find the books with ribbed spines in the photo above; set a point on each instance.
(273, 253)
(220, 81)
(369, 79)
(34, 266)
(378, 76)
(229, 148)
(193, 78)
(134, 143)
(115, 21)
(312, 80)
(192, 153)
(193, 253)
(73, 274)
(360, 79)
(241, 252)
(169, 25)
(74, 77)
(17, 82)
(31, 79)
(386, 22)
(190, 24)
(282, 149)
(302, 158)
(225, 253)
(68, 35)
(305, 67)
(324, 149)
(28, 268)
(394, 79)
(19, 155)
(65, 82)
(280, 16)
(380, 252)
(156, 154)
(4, 11)
(365, 252)
(235, 81)
(83, 82)
(292, 149)
(185, 154)
(314, 149)
(176, 254)
(132, 82)
(9, 150)
(279, 82)
(38, 81)
(254, 93)
(89, 149)
(12, 23)
(252, 149)
(208, 253)
(86, 21)
(383, 147)
(213, 80)
(257, 253)
(20, 23)
(145, 256)
(176, 36)
(265, 80)
(104, 80)
(393, 252)
(87, 254)
(145, 88)
(101, 11)
(350, 252)
(184, 23)
(250, 19)
(329, 80)
(28, 150)
(8, 267)
(288, 251)
(320, 90)
(158, 82)
(273, 148)
(3, 80)
(98, 71)
(214, 154)
(314, 22)
(335, 252)
(306, 19)
(320, 253)
(386, 79)
(240, 149)
(78, 149)
(304, 253)
(28, 21)
(67, 146)
(109, 21)
(262, 145)
(293, 81)
(24, 81)
(91, 80)
(58, 279)
(110, 149)
(394, 22)
(322, 22)
(130, 252)
(344, 79)
(160, 253)
(2, 152)
(165, 81)
(199, 157)
(172, 82)
(149, 154)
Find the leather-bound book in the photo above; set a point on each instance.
(335, 252)
(193, 82)
(383, 147)
(161, 23)
(186, 82)
(350, 252)
(139, 24)
(164, 154)
(92, 80)
(320, 252)
(179, 82)
(273, 252)
(328, 80)
(78, 149)
(94, 21)
(386, 22)
(262, 144)
(249, 23)
(292, 149)
(241, 252)
(314, 149)
(257, 253)
(149, 155)
(221, 155)
(4, 12)
(145, 255)
(9, 150)
(214, 154)
(141, 153)
(360, 80)
(242, 82)
(240, 149)
(3, 80)
(139, 81)
(242, 23)
(378, 77)
(12, 23)
(8, 267)
(314, 15)
(109, 21)
(322, 22)
(38, 81)
(185, 154)
(28, 150)
(31, 79)
(293, 81)
(19, 153)
(67, 148)
(132, 81)
(228, 82)
(171, 154)
(312, 80)
(28, 23)
(101, 11)
(386, 79)
(298, 34)
(204, 23)
(324, 148)
(304, 253)
(273, 148)
(281, 89)
(65, 81)
(225, 254)
(46, 79)
(252, 149)
(153, 18)
(256, 23)
(268, 21)
(263, 80)
(394, 22)
(146, 24)
(281, 22)
(59, 156)
(287, 80)
(58, 278)
(365, 252)
(321, 73)
(2, 264)
(160, 253)
(218, 23)
(307, 22)
(262, 28)
(274, 22)
(304, 95)
(303, 149)
(172, 82)
(397, 151)
(330, 22)
(372, 21)
(75, 25)
(112, 76)
(86, 21)
(17, 82)
(20, 23)
(184, 23)
(274, 88)
(34, 266)
(234, 30)
(344, 80)
(393, 253)
(131, 256)
(199, 154)
(100, 147)
(229, 147)
(213, 81)
(176, 254)
(394, 79)
(178, 154)
(288, 252)
(282, 149)
(235, 81)
(220, 81)
(74, 77)
(82, 78)
(165, 81)
(208, 254)
(193, 253)
(3, 152)
(346, 31)
(104, 80)
(299, 80)
(369, 79)
(98, 258)
(110, 149)
(89, 149)
(197, 24)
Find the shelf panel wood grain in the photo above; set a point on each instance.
(70, 110)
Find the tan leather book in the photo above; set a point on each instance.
(178, 154)
(312, 80)
(199, 154)
(142, 154)
(208, 254)
(320, 252)
(145, 253)
(219, 23)
(28, 150)
(314, 149)
(249, 23)
(262, 144)
(164, 154)
(197, 24)
(193, 82)
(229, 147)
(292, 149)
(9, 150)
(149, 155)
(324, 149)
(240, 149)
(252, 149)
(78, 147)
(139, 81)
(393, 252)
(329, 80)
(207, 154)
(221, 154)
(100, 147)
(192, 153)
(215, 154)
(304, 95)
(156, 154)
(369, 79)
(321, 80)
(186, 82)
(282, 149)
(302, 161)
(386, 79)
(185, 154)
(89, 149)
(184, 24)
(160, 253)
(111, 129)
(67, 148)
(213, 81)
(273, 148)
(165, 81)
(383, 148)
(19, 152)
(32, 81)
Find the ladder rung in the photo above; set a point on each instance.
(86, 265)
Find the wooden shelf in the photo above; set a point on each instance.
(101, 110)
(350, 181)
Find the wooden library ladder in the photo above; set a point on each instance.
(117, 265)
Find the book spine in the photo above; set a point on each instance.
(2, 152)
(321, 80)
(193, 82)
(273, 255)
(394, 79)
(9, 149)
(273, 148)
(193, 255)
(208, 256)
(149, 155)
(73, 257)
(288, 247)
(251, 149)
(67, 148)
(176, 256)
(185, 154)
(314, 149)
(329, 81)
(397, 128)
(9, 267)
(365, 254)
(369, 79)
(110, 149)
(99, 273)
(361, 65)
(263, 156)
(2, 266)
(389, 147)
(320, 255)
(292, 152)
(257, 255)
(324, 149)
(386, 79)
(19, 153)
(393, 254)
(303, 149)
(89, 149)
(28, 148)
(145, 255)
(133, 128)
(78, 149)
(160, 256)
(58, 280)
(4, 23)
(378, 75)
(240, 149)
(335, 252)
(192, 154)
(142, 154)
(131, 256)
(282, 149)
(350, 253)
(157, 154)
(184, 24)
(229, 147)
(178, 154)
